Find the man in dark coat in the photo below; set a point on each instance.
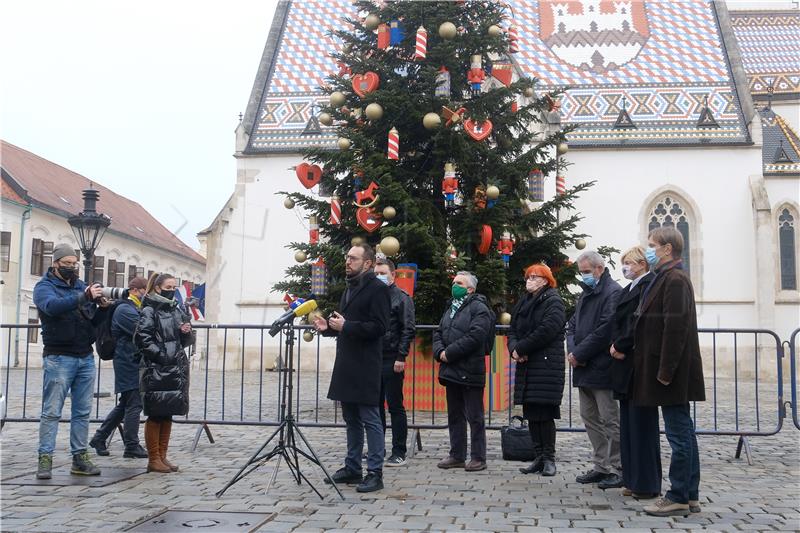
(460, 345)
(69, 315)
(396, 342)
(359, 326)
(126, 376)
(588, 341)
(668, 368)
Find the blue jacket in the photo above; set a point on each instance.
(589, 333)
(68, 318)
(126, 356)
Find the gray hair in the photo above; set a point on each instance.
(592, 257)
(472, 279)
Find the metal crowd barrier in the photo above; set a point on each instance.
(793, 340)
(744, 397)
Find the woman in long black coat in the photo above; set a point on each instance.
(536, 344)
(640, 447)
(161, 335)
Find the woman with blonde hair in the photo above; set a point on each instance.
(161, 335)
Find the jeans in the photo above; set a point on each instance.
(360, 417)
(465, 404)
(392, 392)
(684, 466)
(128, 409)
(600, 414)
(66, 374)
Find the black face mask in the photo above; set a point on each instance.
(68, 273)
(169, 295)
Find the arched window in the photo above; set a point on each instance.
(787, 250)
(669, 211)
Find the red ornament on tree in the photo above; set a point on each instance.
(336, 211)
(365, 83)
(393, 151)
(421, 48)
(513, 46)
(384, 36)
(561, 185)
(309, 175)
(449, 185)
(313, 230)
(484, 239)
(506, 247)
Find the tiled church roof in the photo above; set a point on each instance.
(781, 149)
(770, 45)
(665, 59)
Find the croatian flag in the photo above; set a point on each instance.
(184, 294)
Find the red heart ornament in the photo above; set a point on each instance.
(309, 175)
(368, 219)
(477, 131)
(365, 83)
(485, 239)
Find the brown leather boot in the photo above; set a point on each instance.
(163, 444)
(152, 430)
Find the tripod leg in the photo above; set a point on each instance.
(274, 475)
(317, 461)
(253, 459)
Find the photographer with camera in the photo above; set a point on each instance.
(124, 317)
(69, 313)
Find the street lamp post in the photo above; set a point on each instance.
(89, 226)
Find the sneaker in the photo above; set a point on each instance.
(135, 452)
(611, 481)
(395, 460)
(450, 462)
(45, 469)
(372, 482)
(694, 506)
(346, 476)
(99, 446)
(475, 466)
(83, 466)
(666, 507)
(592, 476)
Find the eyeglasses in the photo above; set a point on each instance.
(352, 258)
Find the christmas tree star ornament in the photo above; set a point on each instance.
(393, 150)
(336, 211)
(421, 44)
(442, 83)
(309, 175)
(365, 83)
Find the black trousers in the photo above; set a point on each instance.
(392, 394)
(543, 436)
(127, 411)
(465, 405)
(640, 448)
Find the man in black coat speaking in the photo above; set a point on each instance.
(359, 326)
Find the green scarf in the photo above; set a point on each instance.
(455, 304)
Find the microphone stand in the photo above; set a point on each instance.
(286, 448)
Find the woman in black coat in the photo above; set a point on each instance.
(536, 344)
(640, 447)
(161, 335)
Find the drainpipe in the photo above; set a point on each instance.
(26, 215)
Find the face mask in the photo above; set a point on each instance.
(589, 280)
(627, 272)
(67, 273)
(458, 291)
(650, 256)
(168, 294)
(383, 277)
(532, 285)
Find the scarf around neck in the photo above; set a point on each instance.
(456, 304)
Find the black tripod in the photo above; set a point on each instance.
(286, 447)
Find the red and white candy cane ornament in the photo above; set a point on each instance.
(561, 185)
(313, 230)
(393, 151)
(336, 211)
(421, 49)
(513, 47)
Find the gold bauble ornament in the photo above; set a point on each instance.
(308, 335)
(389, 212)
(355, 241)
(431, 121)
(374, 111)
(562, 148)
(492, 192)
(288, 203)
(495, 30)
(325, 119)
(300, 256)
(343, 143)
(390, 246)
(580, 244)
(504, 319)
(372, 22)
(448, 30)
(529, 92)
(337, 99)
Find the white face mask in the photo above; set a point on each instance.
(534, 284)
(383, 277)
(628, 273)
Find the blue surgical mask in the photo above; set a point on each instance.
(589, 280)
(383, 277)
(650, 256)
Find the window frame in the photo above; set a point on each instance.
(5, 251)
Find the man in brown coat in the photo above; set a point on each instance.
(668, 369)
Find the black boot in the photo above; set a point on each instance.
(549, 468)
(372, 481)
(536, 465)
(548, 436)
(99, 445)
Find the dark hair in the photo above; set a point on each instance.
(667, 235)
(369, 253)
(388, 262)
(157, 280)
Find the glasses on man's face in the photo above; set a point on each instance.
(351, 259)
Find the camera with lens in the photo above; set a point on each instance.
(114, 293)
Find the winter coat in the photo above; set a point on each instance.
(126, 356)
(622, 335)
(68, 318)
(356, 376)
(401, 331)
(465, 338)
(537, 332)
(164, 366)
(666, 342)
(589, 333)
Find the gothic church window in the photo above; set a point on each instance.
(670, 211)
(787, 250)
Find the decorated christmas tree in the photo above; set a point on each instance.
(442, 159)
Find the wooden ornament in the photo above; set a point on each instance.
(368, 219)
(365, 83)
(309, 175)
(453, 117)
(485, 239)
(478, 131)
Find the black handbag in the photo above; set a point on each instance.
(515, 440)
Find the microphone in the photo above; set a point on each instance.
(301, 310)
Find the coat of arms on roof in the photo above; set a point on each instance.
(594, 35)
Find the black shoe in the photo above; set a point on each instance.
(611, 481)
(136, 452)
(536, 466)
(83, 466)
(549, 468)
(395, 460)
(371, 483)
(592, 476)
(346, 476)
(99, 446)
(45, 468)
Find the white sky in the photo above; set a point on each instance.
(142, 97)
